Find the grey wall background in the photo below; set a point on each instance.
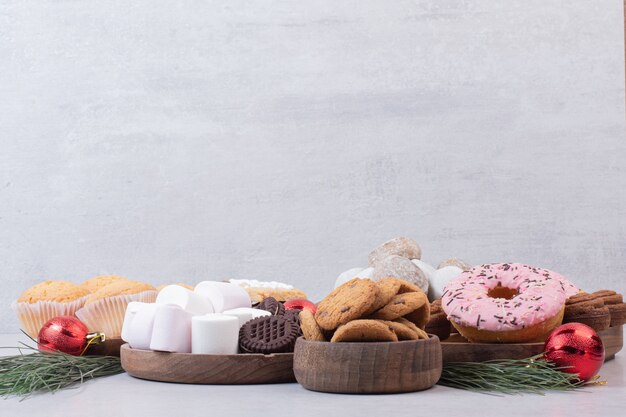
(283, 140)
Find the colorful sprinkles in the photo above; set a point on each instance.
(540, 294)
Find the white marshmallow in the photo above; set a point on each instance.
(366, 273)
(139, 333)
(223, 295)
(172, 329)
(216, 334)
(241, 315)
(347, 276)
(440, 280)
(245, 314)
(131, 310)
(354, 273)
(187, 300)
(427, 269)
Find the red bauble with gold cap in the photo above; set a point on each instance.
(577, 346)
(66, 334)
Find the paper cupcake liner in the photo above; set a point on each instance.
(33, 316)
(107, 315)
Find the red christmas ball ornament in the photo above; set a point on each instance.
(300, 304)
(577, 346)
(66, 334)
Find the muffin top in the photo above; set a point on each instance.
(59, 291)
(180, 284)
(95, 283)
(119, 287)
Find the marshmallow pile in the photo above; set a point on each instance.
(205, 320)
(401, 258)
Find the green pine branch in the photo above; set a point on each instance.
(509, 376)
(28, 373)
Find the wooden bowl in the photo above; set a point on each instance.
(190, 368)
(368, 368)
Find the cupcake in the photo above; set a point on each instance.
(95, 283)
(104, 309)
(47, 300)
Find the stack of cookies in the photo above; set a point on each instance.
(362, 310)
(599, 310)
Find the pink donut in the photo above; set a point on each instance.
(489, 300)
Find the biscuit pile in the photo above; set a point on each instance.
(362, 310)
(599, 310)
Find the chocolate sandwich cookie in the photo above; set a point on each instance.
(270, 334)
(294, 316)
(272, 305)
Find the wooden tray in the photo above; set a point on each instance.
(190, 368)
(457, 349)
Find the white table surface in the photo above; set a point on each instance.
(122, 395)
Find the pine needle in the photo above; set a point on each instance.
(25, 374)
(509, 376)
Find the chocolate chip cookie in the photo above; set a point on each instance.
(347, 302)
(364, 331)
